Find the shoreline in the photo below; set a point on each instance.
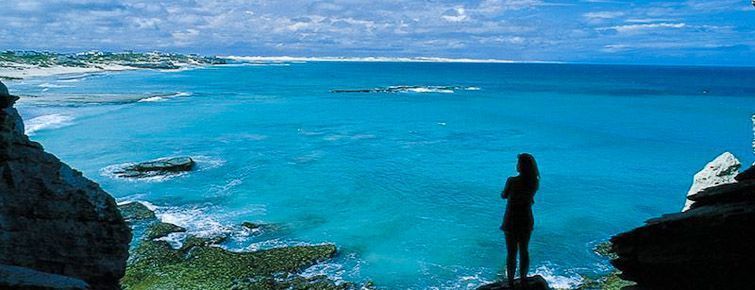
(20, 72)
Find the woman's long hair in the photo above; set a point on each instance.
(528, 171)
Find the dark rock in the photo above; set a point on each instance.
(748, 174)
(536, 282)
(709, 246)
(52, 218)
(14, 277)
(161, 229)
(6, 99)
(250, 225)
(136, 211)
(157, 167)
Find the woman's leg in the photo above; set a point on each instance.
(511, 249)
(524, 254)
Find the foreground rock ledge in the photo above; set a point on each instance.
(53, 219)
(536, 282)
(709, 246)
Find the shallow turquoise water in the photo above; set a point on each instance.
(407, 184)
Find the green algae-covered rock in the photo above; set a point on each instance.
(161, 229)
(612, 281)
(136, 211)
(292, 282)
(604, 250)
(199, 264)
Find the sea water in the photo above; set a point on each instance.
(405, 180)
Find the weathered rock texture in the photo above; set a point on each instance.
(52, 219)
(719, 171)
(709, 246)
(163, 166)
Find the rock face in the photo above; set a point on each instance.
(52, 219)
(536, 282)
(719, 171)
(157, 167)
(709, 246)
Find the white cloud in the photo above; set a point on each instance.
(602, 15)
(454, 15)
(636, 28)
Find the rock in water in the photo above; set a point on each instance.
(709, 246)
(157, 167)
(536, 282)
(719, 171)
(53, 219)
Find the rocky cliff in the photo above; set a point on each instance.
(53, 220)
(709, 246)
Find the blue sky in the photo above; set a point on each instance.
(602, 31)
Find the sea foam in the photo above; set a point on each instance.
(52, 121)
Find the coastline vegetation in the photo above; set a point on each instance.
(148, 60)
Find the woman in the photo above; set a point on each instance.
(517, 221)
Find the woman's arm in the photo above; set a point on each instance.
(506, 189)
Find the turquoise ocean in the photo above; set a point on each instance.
(405, 177)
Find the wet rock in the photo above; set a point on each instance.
(293, 282)
(164, 166)
(136, 211)
(251, 225)
(709, 246)
(159, 230)
(719, 171)
(155, 265)
(52, 218)
(536, 282)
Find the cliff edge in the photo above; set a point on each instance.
(53, 219)
(711, 245)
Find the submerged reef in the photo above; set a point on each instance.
(708, 246)
(56, 226)
(201, 263)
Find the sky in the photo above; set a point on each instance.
(701, 32)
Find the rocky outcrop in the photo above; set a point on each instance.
(52, 219)
(709, 246)
(199, 263)
(536, 282)
(164, 166)
(719, 171)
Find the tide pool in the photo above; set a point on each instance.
(405, 180)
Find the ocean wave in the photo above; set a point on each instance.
(196, 220)
(558, 281)
(51, 85)
(262, 59)
(164, 97)
(52, 121)
(409, 89)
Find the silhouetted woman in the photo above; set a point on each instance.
(517, 221)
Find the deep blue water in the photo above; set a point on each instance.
(406, 184)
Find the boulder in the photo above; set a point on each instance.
(746, 175)
(536, 282)
(14, 277)
(163, 166)
(52, 218)
(719, 171)
(709, 246)
(136, 211)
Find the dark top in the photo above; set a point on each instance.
(518, 217)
